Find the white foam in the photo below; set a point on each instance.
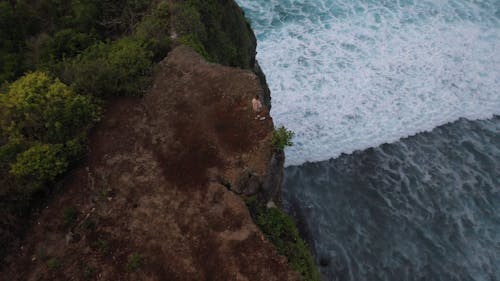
(348, 75)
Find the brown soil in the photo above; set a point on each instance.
(151, 187)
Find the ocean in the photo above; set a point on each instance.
(395, 169)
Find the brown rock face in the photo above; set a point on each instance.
(153, 186)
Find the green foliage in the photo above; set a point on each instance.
(89, 224)
(102, 246)
(228, 38)
(217, 30)
(192, 41)
(53, 264)
(282, 232)
(134, 262)
(69, 216)
(67, 43)
(88, 272)
(9, 152)
(11, 42)
(153, 30)
(41, 163)
(120, 68)
(188, 19)
(39, 108)
(282, 138)
(42, 124)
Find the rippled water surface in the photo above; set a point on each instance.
(382, 89)
(424, 208)
(352, 74)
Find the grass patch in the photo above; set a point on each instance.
(87, 271)
(69, 216)
(102, 246)
(53, 263)
(134, 262)
(280, 230)
(89, 224)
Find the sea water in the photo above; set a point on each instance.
(348, 75)
(424, 208)
(394, 173)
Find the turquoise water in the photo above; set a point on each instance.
(395, 171)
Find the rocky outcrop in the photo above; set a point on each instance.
(163, 177)
(156, 186)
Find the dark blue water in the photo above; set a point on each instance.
(424, 208)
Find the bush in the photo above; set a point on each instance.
(282, 138)
(53, 263)
(120, 68)
(134, 262)
(41, 109)
(42, 126)
(67, 43)
(69, 216)
(282, 232)
(192, 41)
(42, 162)
(217, 30)
(153, 30)
(11, 42)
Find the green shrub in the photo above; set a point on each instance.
(89, 224)
(9, 151)
(11, 43)
(41, 162)
(120, 68)
(187, 20)
(282, 138)
(191, 40)
(53, 263)
(88, 272)
(153, 30)
(282, 232)
(67, 43)
(69, 216)
(102, 246)
(41, 109)
(134, 262)
(217, 30)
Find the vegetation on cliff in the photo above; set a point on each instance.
(280, 229)
(282, 138)
(61, 59)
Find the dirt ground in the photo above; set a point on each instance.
(152, 188)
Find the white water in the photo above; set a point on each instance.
(348, 75)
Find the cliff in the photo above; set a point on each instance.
(156, 186)
(161, 194)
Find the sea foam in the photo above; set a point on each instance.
(348, 75)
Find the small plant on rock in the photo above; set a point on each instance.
(53, 263)
(282, 138)
(69, 216)
(134, 262)
(102, 246)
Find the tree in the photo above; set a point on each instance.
(38, 108)
(120, 68)
(42, 125)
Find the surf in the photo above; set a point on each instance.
(349, 75)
